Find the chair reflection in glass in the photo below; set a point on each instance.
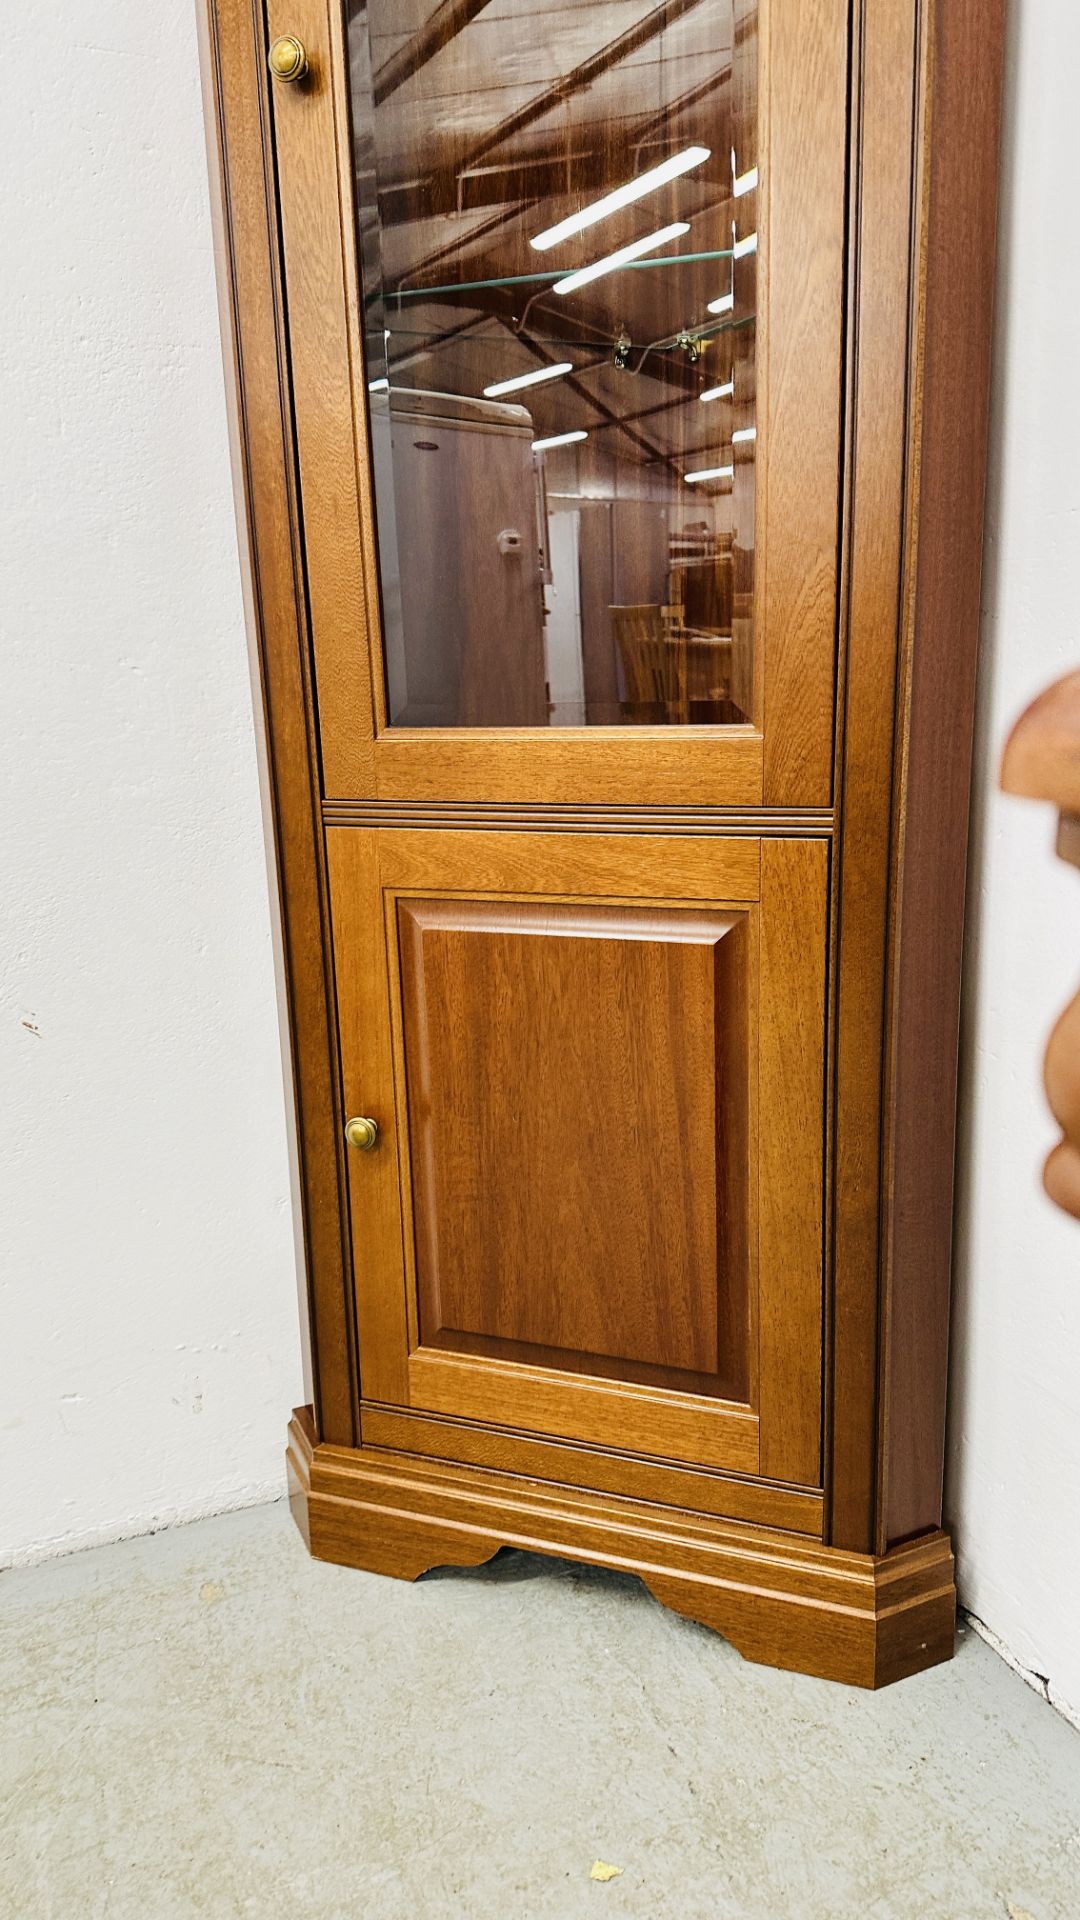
(653, 656)
(676, 659)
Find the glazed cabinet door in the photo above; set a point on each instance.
(564, 292)
(593, 1210)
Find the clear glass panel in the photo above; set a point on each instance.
(558, 230)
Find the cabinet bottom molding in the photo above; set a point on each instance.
(781, 1600)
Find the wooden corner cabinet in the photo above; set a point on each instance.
(610, 388)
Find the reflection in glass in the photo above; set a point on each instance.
(558, 226)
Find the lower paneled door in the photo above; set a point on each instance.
(593, 1207)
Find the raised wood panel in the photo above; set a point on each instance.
(572, 1104)
(536, 984)
(364, 865)
(581, 878)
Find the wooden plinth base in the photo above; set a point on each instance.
(779, 1598)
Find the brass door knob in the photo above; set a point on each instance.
(362, 1133)
(288, 58)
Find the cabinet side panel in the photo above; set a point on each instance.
(939, 691)
(879, 304)
(254, 366)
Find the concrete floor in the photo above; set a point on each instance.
(206, 1722)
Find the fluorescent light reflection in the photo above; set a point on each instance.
(723, 305)
(718, 393)
(743, 247)
(622, 197)
(709, 473)
(529, 379)
(612, 260)
(743, 433)
(559, 440)
(745, 183)
(378, 386)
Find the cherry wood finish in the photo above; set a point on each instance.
(802, 226)
(889, 65)
(927, 84)
(781, 1599)
(764, 1503)
(800, 276)
(568, 1078)
(669, 996)
(776, 1505)
(251, 296)
(940, 637)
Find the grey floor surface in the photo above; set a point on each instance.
(206, 1722)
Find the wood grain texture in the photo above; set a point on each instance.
(685, 766)
(263, 461)
(499, 1340)
(681, 822)
(780, 1599)
(937, 690)
(790, 1172)
(567, 1085)
(795, 1509)
(368, 873)
(305, 133)
(802, 273)
(591, 874)
(574, 866)
(367, 1076)
(671, 819)
(879, 309)
(803, 70)
(690, 1427)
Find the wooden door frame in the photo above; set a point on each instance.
(796, 550)
(772, 1430)
(919, 297)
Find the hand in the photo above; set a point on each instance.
(1061, 1077)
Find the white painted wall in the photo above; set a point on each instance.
(1014, 1478)
(148, 1323)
